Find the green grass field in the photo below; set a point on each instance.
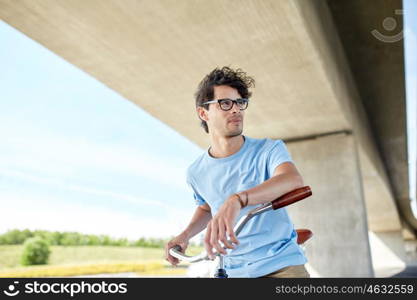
(82, 260)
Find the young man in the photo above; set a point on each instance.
(236, 174)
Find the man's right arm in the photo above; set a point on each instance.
(198, 223)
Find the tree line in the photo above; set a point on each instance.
(18, 237)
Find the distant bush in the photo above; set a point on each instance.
(35, 252)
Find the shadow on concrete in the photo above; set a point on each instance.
(408, 272)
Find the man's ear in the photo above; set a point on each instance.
(202, 113)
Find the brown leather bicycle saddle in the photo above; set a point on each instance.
(303, 235)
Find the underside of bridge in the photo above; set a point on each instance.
(324, 84)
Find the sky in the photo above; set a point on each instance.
(77, 156)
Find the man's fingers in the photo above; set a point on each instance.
(168, 257)
(171, 244)
(214, 240)
(231, 233)
(183, 247)
(173, 260)
(222, 235)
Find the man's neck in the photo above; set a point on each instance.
(225, 146)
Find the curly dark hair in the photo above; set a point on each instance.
(225, 76)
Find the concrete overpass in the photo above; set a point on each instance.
(325, 85)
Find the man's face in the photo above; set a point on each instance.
(224, 123)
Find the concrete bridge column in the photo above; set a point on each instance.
(336, 213)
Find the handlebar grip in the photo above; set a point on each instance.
(292, 197)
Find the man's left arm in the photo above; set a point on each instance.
(285, 179)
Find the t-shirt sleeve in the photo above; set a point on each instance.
(277, 155)
(197, 198)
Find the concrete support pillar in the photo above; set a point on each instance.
(388, 253)
(336, 212)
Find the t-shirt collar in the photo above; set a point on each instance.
(230, 157)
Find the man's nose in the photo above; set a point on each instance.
(235, 107)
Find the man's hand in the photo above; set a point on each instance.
(180, 240)
(221, 224)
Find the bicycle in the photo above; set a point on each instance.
(289, 198)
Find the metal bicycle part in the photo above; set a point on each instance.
(176, 251)
(282, 201)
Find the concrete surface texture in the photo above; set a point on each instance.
(336, 210)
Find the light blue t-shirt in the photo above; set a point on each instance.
(268, 242)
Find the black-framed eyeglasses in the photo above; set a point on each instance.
(227, 104)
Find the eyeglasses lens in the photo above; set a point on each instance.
(227, 104)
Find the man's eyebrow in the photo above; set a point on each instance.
(230, 99)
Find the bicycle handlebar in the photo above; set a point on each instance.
(292, 197)
(286, 199)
